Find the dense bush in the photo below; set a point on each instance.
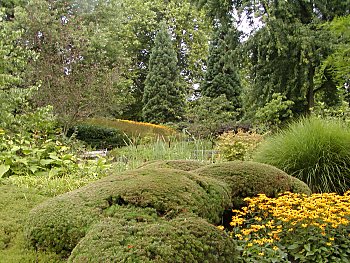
(99, 137)
(247, 179)
(238, 145)
(206, 117)
(183, 239)
(58, 224)
(294, 228)
(316, 151)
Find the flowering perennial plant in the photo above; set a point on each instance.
(294, 228)
(134, 128)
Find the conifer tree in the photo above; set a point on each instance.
(221, 76)
(163, 98)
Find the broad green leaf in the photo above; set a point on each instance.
(33, 168)
(307, 247)
(294, 246)
(46, 161)
(3, 169)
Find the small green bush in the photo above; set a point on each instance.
(247, 179)
(184, 165)
(184, 239)
(316, 151)
(100, 137)
(58, 224)
(238, 146)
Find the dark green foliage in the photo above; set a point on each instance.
(247, 179)
(58, 224)
(184, 165)
(284, 55)
(184, 239)
(206, 116)
(99, 137)
(163, 98)
(222, 74)
(314, 150)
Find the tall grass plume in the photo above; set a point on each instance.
(315, 150)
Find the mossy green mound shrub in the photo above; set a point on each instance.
(15, 202)
(184, 165)
(184, 239)
(314, 150)
(58, 224)
(99, 137)
(247, 179)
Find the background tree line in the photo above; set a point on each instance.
(185, 62)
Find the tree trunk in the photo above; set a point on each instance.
(310, 96)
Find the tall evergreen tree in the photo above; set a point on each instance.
(284, 55)
(163, 98)
(221, 76)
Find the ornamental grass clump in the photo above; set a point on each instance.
(294, 228)
(314, 150)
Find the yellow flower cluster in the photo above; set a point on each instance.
(266, 216)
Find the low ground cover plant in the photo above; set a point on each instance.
(317, 151)
(294, 228)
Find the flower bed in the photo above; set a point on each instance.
(294, 228)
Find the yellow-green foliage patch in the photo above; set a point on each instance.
(15, 204)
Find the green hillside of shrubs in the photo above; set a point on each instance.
(156, 213)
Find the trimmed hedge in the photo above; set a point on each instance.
(58, 224)
(247, 179)
(184, 165)
(184, 239)
(99, 137)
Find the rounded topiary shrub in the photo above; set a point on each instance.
(314, 150)
(59, 223)
(184, 239)
(184, 165)
(247, 179)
